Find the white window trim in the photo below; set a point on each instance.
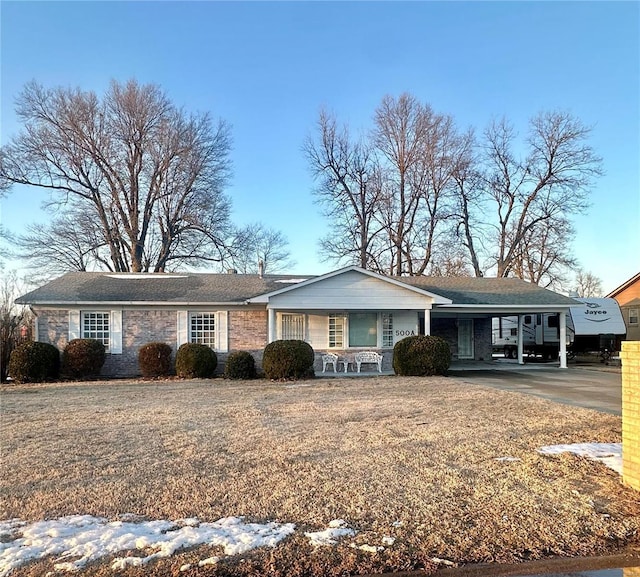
(305, 325)
(183, 328)
(115, 327)
(637, 312)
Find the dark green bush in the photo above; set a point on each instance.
(83, 358)
(154, 359)
(289, 359)
(194, 360)
(34, 363)
(421, 356)
(240, 365)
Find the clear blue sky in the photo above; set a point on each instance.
(267, 68)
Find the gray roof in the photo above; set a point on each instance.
(488, 291)
(207, 288)
(173, 288)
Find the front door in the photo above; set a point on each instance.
(465, 338)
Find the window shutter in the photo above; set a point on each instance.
(222, 332)
(115, 333)
(182, 328)
(74, 325)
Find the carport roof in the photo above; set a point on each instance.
(489, 291)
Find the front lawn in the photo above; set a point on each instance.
(416, 473)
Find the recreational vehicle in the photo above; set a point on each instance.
(594, 325)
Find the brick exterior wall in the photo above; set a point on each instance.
(447, 329)
(247, 330)
(630, 356)
(52, 326)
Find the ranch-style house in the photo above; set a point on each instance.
(344, 311)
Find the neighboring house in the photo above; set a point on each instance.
(345, 310)
(628, 297)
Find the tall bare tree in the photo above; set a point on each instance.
(348, 191)
(149, 175)
(540, 190)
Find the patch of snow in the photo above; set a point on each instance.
(610, 454)
(386, 540)
(508, 459)
(86, 538)
(337, 529)
(445, 562)
(397, 524)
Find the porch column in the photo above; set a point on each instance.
(271, 326)
(520, 339)
(427, 321)
(563, 340)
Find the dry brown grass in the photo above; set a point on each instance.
(370, 451)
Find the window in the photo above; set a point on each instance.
(514, 332)
(363, 330)
(203, 329)
(553, 321)
(633, 316)
(95, 325)
(527, 320)
(387, 330)
(336, 331)
(292, 326)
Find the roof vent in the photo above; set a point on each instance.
(232, 271)
(261, 268)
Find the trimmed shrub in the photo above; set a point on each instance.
(288, 359)
(154, 359)
(240, 365)
(194, 360)
(421, 355)
(34, 363)
(83, 358)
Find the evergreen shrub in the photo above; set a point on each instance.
(195, 360)
(421, 355)
(34, 362)
(288, 359)
(240, 365)
(83, 358)
(154, 359)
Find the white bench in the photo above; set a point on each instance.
(368, 357)
(329, 359)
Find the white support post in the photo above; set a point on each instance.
(271, 326)
(520, 339)
(427, 321)
(563, 340)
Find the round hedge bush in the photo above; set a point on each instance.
(83, 358)
(421, 355)
(288, 359)
(34, 362)
(240, 365)
(154, 359)
(194, 360)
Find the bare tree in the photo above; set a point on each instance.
(348, 191)
(256, 244)
(150, 176)
(587, 284)
(541, 190)
(15, 321)
(543, 255)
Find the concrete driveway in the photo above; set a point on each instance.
(598, 389)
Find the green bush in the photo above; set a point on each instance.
(154, 359)
(83, 358)
(289, 359)
(421, 356)
(194, 360)
(240, 365)
(34, 363)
